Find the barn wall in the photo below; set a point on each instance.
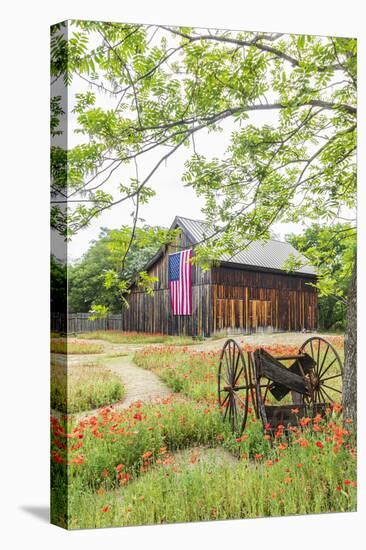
(224, 299)
(248, 301)
(153, 313)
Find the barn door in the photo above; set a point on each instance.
(229, 314)
(260, 314)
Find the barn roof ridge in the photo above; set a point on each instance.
(205, 223)
(267, 255)
(191, 219)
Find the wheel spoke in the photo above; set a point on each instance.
(252, 385)
(330, 388)
(232, 360)
(233, 414)
(225, 399)
(318, 355)
(222, 374)
(330, 378)
(330, 364)
(227, 364)
(240, 399)
(225, 380)
(324, 358)
(323, 396)
(237, 363)
(311, 348)
(237, 378)
(327, 394)
(238, 388)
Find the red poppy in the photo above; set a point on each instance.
(77, 460)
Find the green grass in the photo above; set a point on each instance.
(78, 388)
(72, 346)
(117, 337)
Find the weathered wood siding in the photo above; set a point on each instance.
(248, 301)
(153, 314)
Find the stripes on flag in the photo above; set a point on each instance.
(180, 282)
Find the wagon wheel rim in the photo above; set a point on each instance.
(235, 386)
(327, 376)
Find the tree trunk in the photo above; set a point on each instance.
(350, 355)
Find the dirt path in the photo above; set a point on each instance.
(140, 384)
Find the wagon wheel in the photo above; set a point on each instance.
(326, 378)
(236, 390)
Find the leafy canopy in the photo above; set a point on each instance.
(167, 84)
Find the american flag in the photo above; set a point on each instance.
(180, 282)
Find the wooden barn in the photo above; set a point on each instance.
(247, 293)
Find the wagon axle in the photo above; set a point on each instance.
(234, 388)
(309, 384)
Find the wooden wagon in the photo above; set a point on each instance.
(306, 383)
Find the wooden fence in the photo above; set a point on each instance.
(80, 322)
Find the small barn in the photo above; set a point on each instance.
(249, 292)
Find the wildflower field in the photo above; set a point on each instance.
(175, 460)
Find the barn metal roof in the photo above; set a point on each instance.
(270, 254)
